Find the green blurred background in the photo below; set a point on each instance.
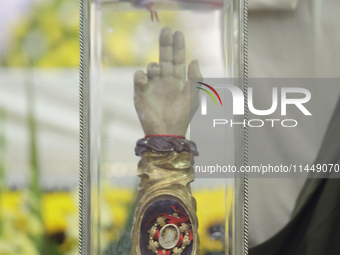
(39, 56)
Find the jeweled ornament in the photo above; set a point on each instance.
(170, 234)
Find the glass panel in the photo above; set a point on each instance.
(127, 209)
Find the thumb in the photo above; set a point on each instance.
(194, 71)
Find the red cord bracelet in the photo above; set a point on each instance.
(178, 136)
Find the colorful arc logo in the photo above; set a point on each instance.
(213, 90)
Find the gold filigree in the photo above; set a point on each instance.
(161, 221)
(186, 241)
(153, 245)
(152, 231)
(177, 251)
(184, 227)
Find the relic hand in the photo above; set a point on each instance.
(164, 99)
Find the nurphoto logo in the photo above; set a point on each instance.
(238, 104)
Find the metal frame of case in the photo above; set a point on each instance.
(86, 180)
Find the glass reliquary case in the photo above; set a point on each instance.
(147, 86)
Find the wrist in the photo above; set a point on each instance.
(177, 136)
(164, 144)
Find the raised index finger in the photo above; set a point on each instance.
(165, 52)
(179, 55)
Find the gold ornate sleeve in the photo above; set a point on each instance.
(165, 219)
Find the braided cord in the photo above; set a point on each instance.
(244, 181)
(83, 80)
